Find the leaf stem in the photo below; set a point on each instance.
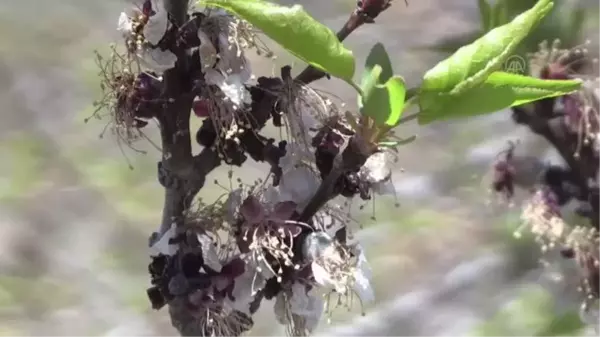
(356, 87)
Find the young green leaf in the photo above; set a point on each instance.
(500, 90)
(470, 65)
(378, 57)
(296, 31)
(385, 102)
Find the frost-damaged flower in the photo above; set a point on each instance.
(218, 306)
(268, 236)
(504, 171)
(541, 215)
(345, 271)
(377, 172)
(582, 115)
(225, 64)
(553, 62)
(299, 309)
(143, 27)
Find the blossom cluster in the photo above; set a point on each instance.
(263, 241)
(570, 124)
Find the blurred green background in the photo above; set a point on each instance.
(74, 219)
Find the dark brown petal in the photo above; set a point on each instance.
(283, 210)
(252, 210)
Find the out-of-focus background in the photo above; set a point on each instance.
(75, 220)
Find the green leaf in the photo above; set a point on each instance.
(369, 82)
(383, 94)
(470, 65)
(499, 91)
(485, 11)
(385, 102)
(296, 31)
(378, 57)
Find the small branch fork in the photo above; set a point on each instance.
(183, 175)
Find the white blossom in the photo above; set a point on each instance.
(332, 270)
(376, 168)
(157, 25)
(232, 86)
(125, 25)
(163, 246)
(232, 69)
(157, 60)
(377, 172)
(152, 32)
(209, 253)
(362, 277)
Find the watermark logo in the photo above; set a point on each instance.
(515, 64)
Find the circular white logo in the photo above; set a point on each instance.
(515, 64)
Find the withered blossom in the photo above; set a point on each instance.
(345, 271)
(143, 27)
(377, 173)
(224, 64)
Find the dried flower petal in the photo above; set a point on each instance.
(156, 27)
(124, 25)
(252, 210)
(201, 108)
(157, 60)
(283, 211)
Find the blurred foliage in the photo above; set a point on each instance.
(34, 294)
(131, 192)
(565, 22)
(532, 314)
(22, 173)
